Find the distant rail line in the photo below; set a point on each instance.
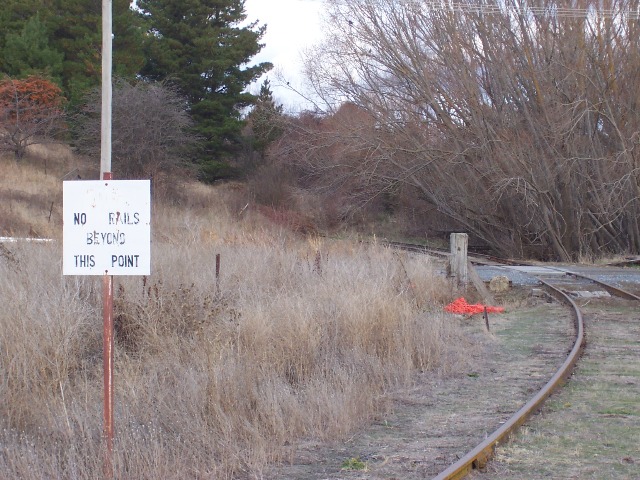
(24, 239)
(562, 284)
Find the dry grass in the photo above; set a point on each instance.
(298, 338)
(31, 191)
(590, 428)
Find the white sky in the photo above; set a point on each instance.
(292, 26)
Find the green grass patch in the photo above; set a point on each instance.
(622, 411)
(354, 464)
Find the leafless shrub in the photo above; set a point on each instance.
(515, 121)
(150, 129)
(31, 113)
(271, 186)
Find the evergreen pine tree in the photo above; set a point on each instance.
(265, 120)
(77, 31)
(28, 52)
(35, 33)
(203, 47)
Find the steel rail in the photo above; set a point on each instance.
(477, 458)
(626, 263)
(478, 258)
(612, 289)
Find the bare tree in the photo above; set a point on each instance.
(150, 128)
(517, 120)
(31, 112)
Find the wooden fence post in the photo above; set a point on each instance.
(458, 259)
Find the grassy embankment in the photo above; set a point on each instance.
(302, 339)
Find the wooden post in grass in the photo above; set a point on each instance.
(458, 258)
(217, 274)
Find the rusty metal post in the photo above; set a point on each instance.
(107, 363)
(217, 273)
(107, 281)
(486, 318)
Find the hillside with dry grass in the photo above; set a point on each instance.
(300, 337)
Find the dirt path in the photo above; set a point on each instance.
(441, 418)
(591, 429)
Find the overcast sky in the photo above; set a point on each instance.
(292, 25)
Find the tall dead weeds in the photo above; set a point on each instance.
(215, 377)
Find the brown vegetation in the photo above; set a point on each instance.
(149, 128)
(299, 338)
(518, 122)
(30, 189)
(31, 112)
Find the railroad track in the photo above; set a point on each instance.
(474, 258)
(516, 367)
(564, 285)
(590, 428)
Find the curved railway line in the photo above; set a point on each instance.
(562, 284)
(448, 427)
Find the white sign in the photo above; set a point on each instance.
(106, 227)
